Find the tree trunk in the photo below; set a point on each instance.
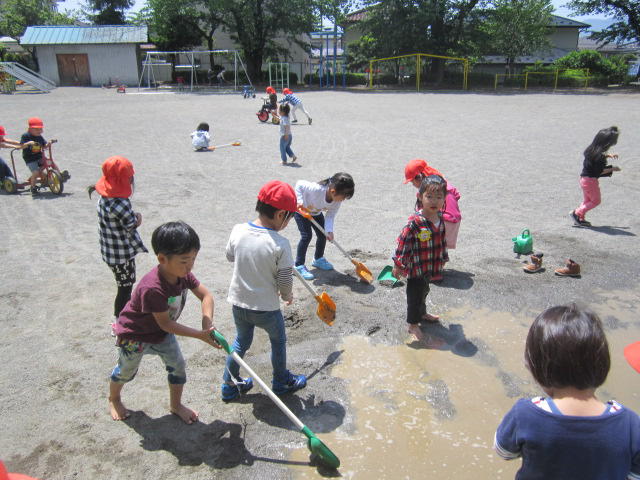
(437, 70)
(254, 66)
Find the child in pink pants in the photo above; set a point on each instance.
(594, 167)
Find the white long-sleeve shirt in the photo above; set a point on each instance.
(313, 196)
(200, 139)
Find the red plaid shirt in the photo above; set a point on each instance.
(422, 248)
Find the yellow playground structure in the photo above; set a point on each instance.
(418, 66)
(584, 74)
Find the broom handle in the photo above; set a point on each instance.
(305, 283)
(268, 391)
(310, 217)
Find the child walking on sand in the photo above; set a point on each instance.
(417, 170)
(120, 241)
(285, 135)
(262, 274)
(290, 98)
(149, 322)
(201, 138)
(316, 198)
(569, 434)
(422, 251)
(594, 167)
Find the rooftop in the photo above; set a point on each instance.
(74, 34)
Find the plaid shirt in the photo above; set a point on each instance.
(422, 248)
(119, 239)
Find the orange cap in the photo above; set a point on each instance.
(271, 90)
(4, 475)
(35, 122)
(287, 91)
(417, 166)
(116, 178)
(279, 195)
(632, 354)
(3, 132)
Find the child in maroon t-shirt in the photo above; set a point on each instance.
(148, 323)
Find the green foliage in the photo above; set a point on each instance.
(109, 12)
(352, 79)
(360, 52)
(518, 28)
(595, 62)
(17, 15)
(626, 12)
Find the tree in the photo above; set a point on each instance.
(626, 12)
(518, 27)
(110, 12)
(255, 24)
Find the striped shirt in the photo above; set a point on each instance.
(422, 248)
(292, 99)
(119, 238)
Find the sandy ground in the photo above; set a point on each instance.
(516, 161)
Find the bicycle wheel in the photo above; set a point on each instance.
(56, 184)
(263, 116)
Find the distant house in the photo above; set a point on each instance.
(563, 37)
(609, 49)
(87, 55)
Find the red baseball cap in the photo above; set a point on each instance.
(417, 166)
(35, 122)
(116, 178)
(286, 91)
(3, 132)
(279, 195)
(632, 354)
(271, 90)
(4, 475)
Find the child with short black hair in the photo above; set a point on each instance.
(149, 322)
(118, 225)
(594, 167)
(317, 197)
(262, 273)
(570, 434)
(422, 251)
(33, 145)
(285, 135)
(201, 138)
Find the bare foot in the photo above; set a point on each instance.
(414, 329)
(427, 317)
(118, 410)
(187, 415)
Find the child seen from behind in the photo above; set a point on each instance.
(148, 324)
(262, 274)
(316, 198)
(422, 251)
(569, 433)
(201, 138)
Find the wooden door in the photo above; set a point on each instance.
(73, 69)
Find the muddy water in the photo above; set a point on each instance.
(419, 412)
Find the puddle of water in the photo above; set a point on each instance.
(420, 413)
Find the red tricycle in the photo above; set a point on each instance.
(50, 175)
(266, 110)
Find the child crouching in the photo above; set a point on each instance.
(148, 323)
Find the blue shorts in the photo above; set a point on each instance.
(33, 166)
(130, 353)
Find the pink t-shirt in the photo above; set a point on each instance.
(153, 294)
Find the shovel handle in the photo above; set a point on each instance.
(305, 283)
(309, 217)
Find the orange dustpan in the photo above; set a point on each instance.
(361, 269)
(326, 310)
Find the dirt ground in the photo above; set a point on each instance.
(514, 158)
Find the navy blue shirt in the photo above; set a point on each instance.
(557, 446)
(33, 153)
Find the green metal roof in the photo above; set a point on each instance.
(74, 35)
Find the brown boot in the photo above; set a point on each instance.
(570, 269)
(536, 263)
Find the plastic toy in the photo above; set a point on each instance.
(50, 176)
(387, 275)
(248, 91)
(523, 243)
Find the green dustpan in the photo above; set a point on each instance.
(387, 275)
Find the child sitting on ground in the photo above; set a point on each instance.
(422, 251)
(324, 196)
(290, 98)
(149, 322)
(262, 272)
(569, 434)
(201, 138)
(33, 146)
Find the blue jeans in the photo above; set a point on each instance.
(305, 226)
(285, 148)
(130, 353)
(271, 322)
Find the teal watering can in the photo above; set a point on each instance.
(523, 243)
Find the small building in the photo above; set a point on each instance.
(87, 55)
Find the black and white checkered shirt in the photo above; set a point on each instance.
(119, 238)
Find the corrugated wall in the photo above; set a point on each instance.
(105, 61)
